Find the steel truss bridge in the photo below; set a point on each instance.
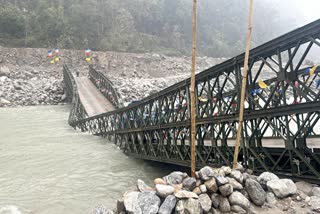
(281, 120)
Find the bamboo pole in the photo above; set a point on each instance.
(243, 87)
(192, 90)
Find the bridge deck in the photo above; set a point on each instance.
(91, 98)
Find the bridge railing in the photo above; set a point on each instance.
(282, 103)
(77, 111)
(105, 86)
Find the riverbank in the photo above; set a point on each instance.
(218, 190)
(27, 78)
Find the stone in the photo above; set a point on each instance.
(245, 193)
(164, 190)
(226, 190)
(315, 191)
(304, 187)
(315, 203)
(185, 194)
(237, 209)
(4, 101)
(120, 206)
(189, 183)
(236, 175)
(3, 79)
(249, 171)
(198, 182)
(235, 184)
(282, 188)
(265, 177)
(4, 71)
(97, 210)
(177, 187)
(130, 200)
(168, 205)
(143, 187)
(227, 170)
(159, 181)
(188, 206)
(215, 211)
(215, 198)
(197, 190)
(148, 203)
(256, 192)
(236, 198)
(203, 188)
(271, 198)
(211, 185)
(291, 186)
(175, 177)
(224, 205)
(307, 200)
(239, 167)
(221, 180)
(221, 172)
(205, 202)
(206, 173)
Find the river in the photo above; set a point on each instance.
(48, 167)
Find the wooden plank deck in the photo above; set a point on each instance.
(92, 99)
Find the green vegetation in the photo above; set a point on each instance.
(162, 26)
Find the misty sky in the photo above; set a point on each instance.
(309, 8)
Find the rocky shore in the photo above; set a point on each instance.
(218, 190)
(28, 78)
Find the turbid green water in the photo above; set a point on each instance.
(48, 167)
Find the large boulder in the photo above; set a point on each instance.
(238, 209)
(130, 200)
(215, 198)
(164, 190)
(304, 187)
(205, 202)
(221, 180)
(168, 205)
(211, 185)
(4, 71)
(227, 170)
(224, 205)
(190, 205)
(175, 177)
(236, 174)
(271, 198)
(282, 188)
(315, 203)
(148, 203)
(265, 177)
(235, 184)
(236, 198)
(143, 187)
(226, 190)
(141, 202)
(189, 183)
(159, 181)
(315, 191)
(256, 192)
(206, 173)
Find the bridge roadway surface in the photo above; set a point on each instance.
(91, 98)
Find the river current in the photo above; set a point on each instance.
(48, 167)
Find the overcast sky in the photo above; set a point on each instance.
(309, 8)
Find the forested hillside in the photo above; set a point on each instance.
(162, 26)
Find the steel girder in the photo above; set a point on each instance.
(281, 120)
